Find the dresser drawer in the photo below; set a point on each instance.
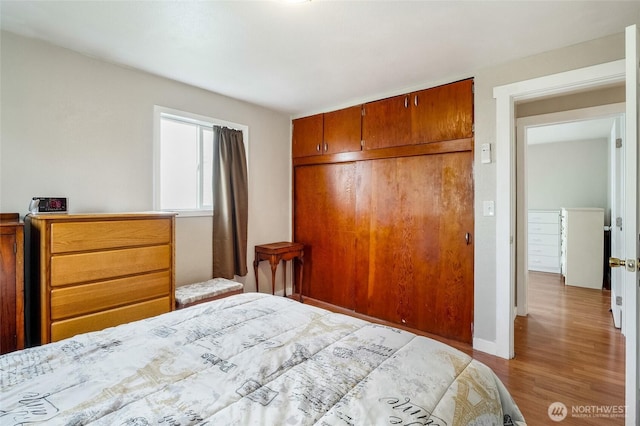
(543, 217)
(544, 250)
(112, 317)
(543, 228)
(83, 236)
(544, 239)
(95, 266)
(82, 299)
(544, 263)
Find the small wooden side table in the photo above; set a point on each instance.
(276, 252)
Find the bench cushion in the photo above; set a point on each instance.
(207, 290)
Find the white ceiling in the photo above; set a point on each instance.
(582, 130)
(318, 55)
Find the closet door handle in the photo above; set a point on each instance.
(326, 147)
(318, 148)
(467, 238)
(415, 100)
(406, 101)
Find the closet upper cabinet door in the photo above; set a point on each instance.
(307, 136)
(342, 130)
(387, 123)
(442, 113)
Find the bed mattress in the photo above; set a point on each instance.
(251, 359)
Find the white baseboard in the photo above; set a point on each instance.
(484, 346)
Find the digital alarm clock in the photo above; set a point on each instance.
(48, 205)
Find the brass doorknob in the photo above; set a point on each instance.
(614, 262)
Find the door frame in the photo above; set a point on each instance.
(522, 181)
(506, 96)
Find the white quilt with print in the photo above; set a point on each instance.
(250, 359)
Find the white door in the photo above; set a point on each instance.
(631, 225)
(617, 212)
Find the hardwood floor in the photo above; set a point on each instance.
(567, 350)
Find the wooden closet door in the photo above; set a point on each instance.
(442, 113)
(342, 130)
(387, 123)
(324, 200)
(413, 214)
(306, 137)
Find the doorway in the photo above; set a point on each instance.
(564, 160)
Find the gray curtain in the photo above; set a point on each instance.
(230, 203)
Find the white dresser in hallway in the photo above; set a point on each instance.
(543, 243)
(582, 247)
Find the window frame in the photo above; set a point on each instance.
(160, 112)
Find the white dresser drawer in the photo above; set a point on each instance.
(544, 263)
(544, 217)
(543, 228)
(544, 250)
(544, 239)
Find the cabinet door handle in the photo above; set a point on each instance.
(318, 148)
(406, 101)
(467, 238)
(326, 147)
(415, 100)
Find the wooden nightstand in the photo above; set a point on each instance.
(276, 252)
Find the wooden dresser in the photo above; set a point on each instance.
(90, 272)
(11, 283)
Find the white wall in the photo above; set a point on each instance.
(573, 57)
(568, 174)
(82, 128)
(94, 120)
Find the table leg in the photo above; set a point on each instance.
(284, 276)
(301, 260)
(274, 266)
(255, 271)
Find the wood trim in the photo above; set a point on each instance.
(457, 145)
(9, 217)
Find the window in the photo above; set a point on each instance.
(184, 161)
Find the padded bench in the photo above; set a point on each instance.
(217, 288)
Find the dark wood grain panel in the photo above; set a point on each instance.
(386, 123)
(324, 202)
(7, 291)
(11, 284)
(442, 113)
(342, 130)
(415, 260)
(307, 136)
(457, 145)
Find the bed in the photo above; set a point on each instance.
(251, 359)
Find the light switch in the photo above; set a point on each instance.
(485, 154)
(488, 208)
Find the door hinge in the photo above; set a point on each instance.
(619, 222)
(619, 143)
(618, 300)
